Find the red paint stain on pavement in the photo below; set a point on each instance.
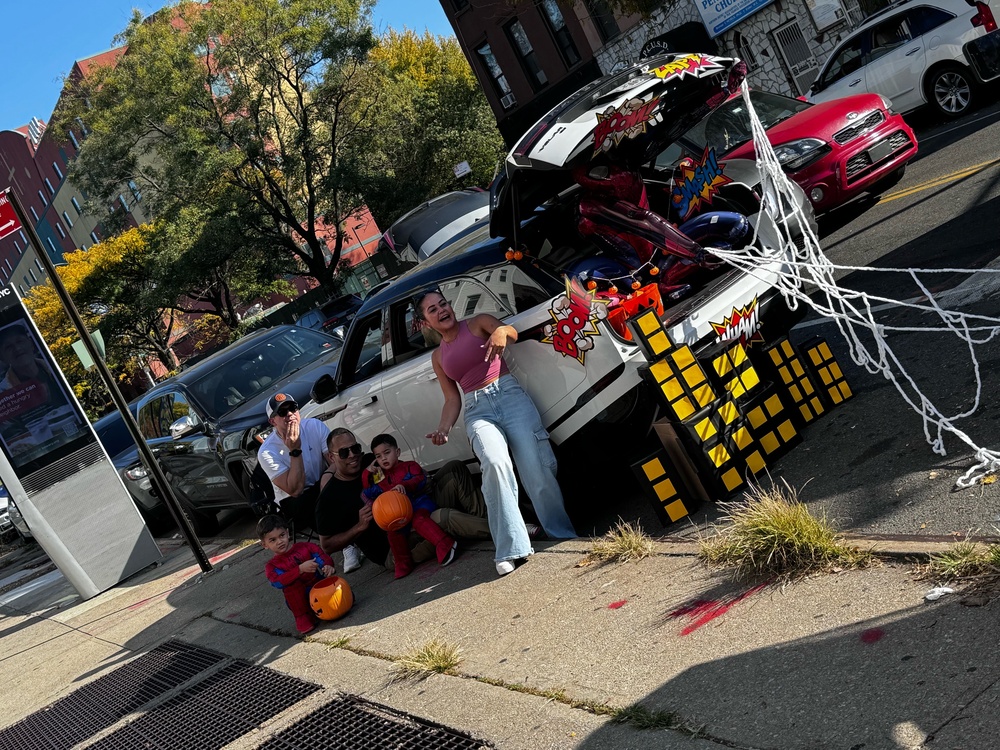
(618, 605)
(147, 600)
(872, 635)
(703, 611)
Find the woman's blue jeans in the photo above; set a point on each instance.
(502, 421)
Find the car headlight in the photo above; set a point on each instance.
(135, 473)
(795, 155)
(887, 103)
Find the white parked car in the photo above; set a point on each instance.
(915, 53)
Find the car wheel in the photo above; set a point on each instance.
(887, 183)
(950, 89)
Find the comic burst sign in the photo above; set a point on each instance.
(743, 324)
(696, 66)
(698, 184)
(575, 315)
(627, 121)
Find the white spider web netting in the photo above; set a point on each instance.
(808, 277)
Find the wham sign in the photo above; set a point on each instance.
(8, 218)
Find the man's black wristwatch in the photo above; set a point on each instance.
(295, 453)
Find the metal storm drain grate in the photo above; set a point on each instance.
(354, 723)
(106, 700)
(214, 712)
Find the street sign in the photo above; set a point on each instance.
(8, 219)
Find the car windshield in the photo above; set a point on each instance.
(729, 126)
(253, 370)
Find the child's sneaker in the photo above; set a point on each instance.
(305, 623)
(352, 558)
(450, 554)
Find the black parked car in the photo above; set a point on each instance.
(203, 425)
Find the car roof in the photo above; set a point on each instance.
(453, 260)
(420, 224)
(222, 356)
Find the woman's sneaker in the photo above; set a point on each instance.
(509, 566)
(352, 558)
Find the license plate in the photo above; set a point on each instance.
(879, 151)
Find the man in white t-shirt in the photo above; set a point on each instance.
(293, 457)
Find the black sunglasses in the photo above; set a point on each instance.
(355, 449)
(284, 411)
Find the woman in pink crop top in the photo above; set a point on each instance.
(500, 420)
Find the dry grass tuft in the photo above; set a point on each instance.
(773, 535)
(966, 560)
(434, 657)
(623, 543)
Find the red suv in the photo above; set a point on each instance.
(835, 150)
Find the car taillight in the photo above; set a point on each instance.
(984, 18)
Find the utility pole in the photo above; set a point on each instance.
(156, 474)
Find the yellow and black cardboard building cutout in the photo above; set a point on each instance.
(709, 437)
(681, 382)
(663, 485)
(782, 364)
(735, 373)
(824, 368)
(770, 422)
(650, 335)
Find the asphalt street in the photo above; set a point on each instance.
(868, 465)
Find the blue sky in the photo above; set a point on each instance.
(48, 36)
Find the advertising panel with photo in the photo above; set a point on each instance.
(39, 420)
(721, 15)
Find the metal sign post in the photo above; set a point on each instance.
(10, 208)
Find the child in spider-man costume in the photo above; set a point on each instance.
(293, 569)
(407, 477)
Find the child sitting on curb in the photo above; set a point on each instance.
(389, 473)
(293, 569)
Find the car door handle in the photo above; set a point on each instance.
(913, 51)
(365, 401)
(855, 82)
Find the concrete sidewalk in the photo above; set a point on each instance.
(849, 660)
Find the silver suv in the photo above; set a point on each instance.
(917, 53)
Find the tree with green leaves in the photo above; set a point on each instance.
(259, 103)
(432, 115)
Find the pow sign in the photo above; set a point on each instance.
(575, 315)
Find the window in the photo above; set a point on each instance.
(503, 277)
(33, 212)
(38, 263)
(603, 19)
(527, 292)
(93, 236)
(889, 35)
(363, 358)
(45, 201)
(121, 199)
(83, 128)
(67, 220)
(24, 237)
(27, 283)
(526, 54)
(500, 85)
(52, 247)
(135, 190)
(52, 190)
(17, 247)
(55, 168)
(744, 50)
(74, 141)
(471, 303)
(76, 205)
(221, 86)
(10, 268)
(21, 287)
(34, 276)
(59, 229)
(156, 416)
(557, 25)
(925, 19)
(848, 60)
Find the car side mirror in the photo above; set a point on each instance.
(323, 389)
(186, 425)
